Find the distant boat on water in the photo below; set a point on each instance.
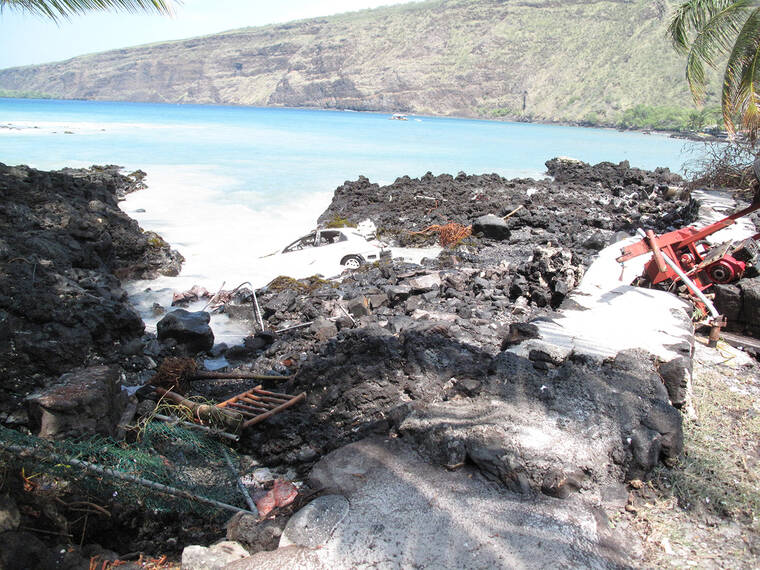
(399, 117)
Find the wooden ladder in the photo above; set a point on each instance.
(257, 405)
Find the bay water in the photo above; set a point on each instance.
(228, 185)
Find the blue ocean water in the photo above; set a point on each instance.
(270, 154)
(228, 185)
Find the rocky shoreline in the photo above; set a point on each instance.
(419, 353)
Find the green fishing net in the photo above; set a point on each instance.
(191, 463)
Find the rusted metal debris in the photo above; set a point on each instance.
(686, 247)
(257, 405)
(684, 256)
(239, 412)
(448, 234)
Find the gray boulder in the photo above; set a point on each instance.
(359, 306)
(214, 557)
(491, 227)
(728, 301)
(10, 517)
(24, 550)
(425, 283)
(83, 403)
(314, 524)
(255, 535)
(751, 304)
(323, 329)
(190, 330)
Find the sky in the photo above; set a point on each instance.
(26, 39)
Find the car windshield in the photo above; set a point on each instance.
(301, 243)
(316, 239)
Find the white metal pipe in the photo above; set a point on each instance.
(258, 310)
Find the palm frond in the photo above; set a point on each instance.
(692, 15)
(713, 40)
(56, 9)
(741, 81)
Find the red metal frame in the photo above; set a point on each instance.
(257, 405)
(686, 248)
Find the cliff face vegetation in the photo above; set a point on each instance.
(560, 60)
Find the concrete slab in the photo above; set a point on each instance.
(716, 205)
(406, 513)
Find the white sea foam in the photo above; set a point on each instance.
(32, 128)
(223, 243)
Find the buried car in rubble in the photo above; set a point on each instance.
(344, 246)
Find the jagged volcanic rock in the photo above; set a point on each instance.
(580, 207)
(64, 244)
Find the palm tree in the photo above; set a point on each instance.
(707, 31)
(55, 9)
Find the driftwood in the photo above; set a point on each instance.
(231, 421)
(513, 212)
(191, 425)
(205, 375)
(175, 374)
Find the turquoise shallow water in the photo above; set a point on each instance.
(271, 155)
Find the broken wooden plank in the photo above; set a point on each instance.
(740, 341)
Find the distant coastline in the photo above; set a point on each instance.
(696, 136)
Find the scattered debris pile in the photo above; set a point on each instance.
(417, 352)
(683, 261)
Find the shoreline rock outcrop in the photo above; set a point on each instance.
(64, 246)
(580, 206)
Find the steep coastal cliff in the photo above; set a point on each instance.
(529, 60)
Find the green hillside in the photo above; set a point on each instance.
(552, 60)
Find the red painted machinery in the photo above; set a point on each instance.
(687, 247)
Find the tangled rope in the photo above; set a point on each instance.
(448, 234)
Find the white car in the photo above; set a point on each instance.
(344, 246)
